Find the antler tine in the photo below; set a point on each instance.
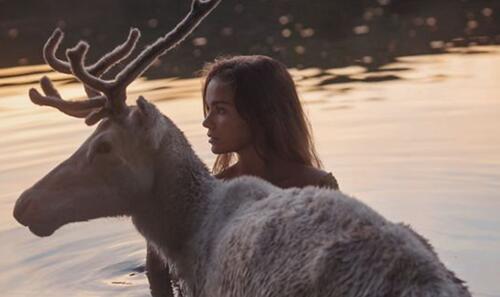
(118, 54)
(79, 109)
(49, 52)
(199, 10)
(76, 57)
(101, 66)
(96, 115)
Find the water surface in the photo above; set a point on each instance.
(418, 140)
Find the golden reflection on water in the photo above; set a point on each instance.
(419, 141)
(23, 70)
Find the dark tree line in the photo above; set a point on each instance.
(319, 33)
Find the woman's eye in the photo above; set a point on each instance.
(103, 148)
(220, 110)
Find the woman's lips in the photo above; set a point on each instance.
(212, 140)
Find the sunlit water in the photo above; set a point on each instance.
(423, 149)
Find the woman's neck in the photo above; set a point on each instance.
(251, 163)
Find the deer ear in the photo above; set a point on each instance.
(144, 106)
(141, 114)
(150, 119)
(145, 112)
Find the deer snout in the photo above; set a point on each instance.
(28, 212)
(23, 208)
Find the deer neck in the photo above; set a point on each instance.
(173, 213)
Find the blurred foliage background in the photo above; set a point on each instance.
(318, 33)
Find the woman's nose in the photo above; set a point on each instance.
(207, 122)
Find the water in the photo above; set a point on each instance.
(420, 145)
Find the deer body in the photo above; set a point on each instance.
(244, 237)
(239, 238)
(247, 237)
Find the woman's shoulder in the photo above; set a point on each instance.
(328, 181)
(303, 176)
(295, 175)
(318, 177)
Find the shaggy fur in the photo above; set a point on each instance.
(246, 237)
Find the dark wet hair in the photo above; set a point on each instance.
(266, 98)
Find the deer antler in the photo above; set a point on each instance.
(120, 53)
(80, 109)
(107, 97)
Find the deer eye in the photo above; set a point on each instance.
(103, 147)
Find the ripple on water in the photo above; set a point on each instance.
(420, 145)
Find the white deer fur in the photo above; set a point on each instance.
(243, 237)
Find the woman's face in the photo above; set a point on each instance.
(227, 131)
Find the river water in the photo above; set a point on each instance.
(419, 141)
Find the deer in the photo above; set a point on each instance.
(242, 237)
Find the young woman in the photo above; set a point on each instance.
(256, 126)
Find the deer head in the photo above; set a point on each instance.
(113, 169)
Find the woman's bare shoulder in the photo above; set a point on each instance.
(292, 175)
(303, 176)
(328, 181)
(318, 177)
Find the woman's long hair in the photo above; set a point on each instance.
(266, 98)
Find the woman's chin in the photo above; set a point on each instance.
(217, 150)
